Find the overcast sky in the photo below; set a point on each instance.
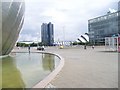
(70, 17)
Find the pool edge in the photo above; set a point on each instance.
(52, 75)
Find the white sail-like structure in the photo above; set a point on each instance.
(12, 21)
(84, 38)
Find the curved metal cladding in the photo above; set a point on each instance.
(12, 21)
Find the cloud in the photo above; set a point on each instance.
(71, 14)
(28, 37)
(112, 10)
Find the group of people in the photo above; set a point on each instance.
(42, 48)
(85, 47)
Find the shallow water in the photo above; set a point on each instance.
(24, 70)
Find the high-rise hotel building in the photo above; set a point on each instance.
(47, 34)
(104, 26)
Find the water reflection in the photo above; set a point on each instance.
(48, 62)
(10, 74)
(0, 72)
(25, 70)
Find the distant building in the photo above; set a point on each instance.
(103, 26)
(44, 33)
(119, 17)
(47, 34)
(119, 6)
(50, 34)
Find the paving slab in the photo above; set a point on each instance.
(90, 68)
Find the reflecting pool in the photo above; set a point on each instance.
(24, 70)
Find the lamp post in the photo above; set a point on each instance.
(63, 34)
(38, 37)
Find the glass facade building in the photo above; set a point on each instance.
(47, 34)
(103, 26)
(12, 21)
(119, 17)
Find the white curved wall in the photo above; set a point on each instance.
(12, 21)
(86, 37)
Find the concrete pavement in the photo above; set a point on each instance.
(87, 68)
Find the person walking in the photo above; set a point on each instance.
(93, 46)
(85, 47)
(43, 48)
(29, 48)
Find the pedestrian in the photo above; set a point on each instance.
(43, 48)
(29, 48)
(85, 47)
(93, 46)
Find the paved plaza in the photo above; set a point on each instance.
(90, 68)
(87, 68)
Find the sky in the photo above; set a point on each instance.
(70, 17)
